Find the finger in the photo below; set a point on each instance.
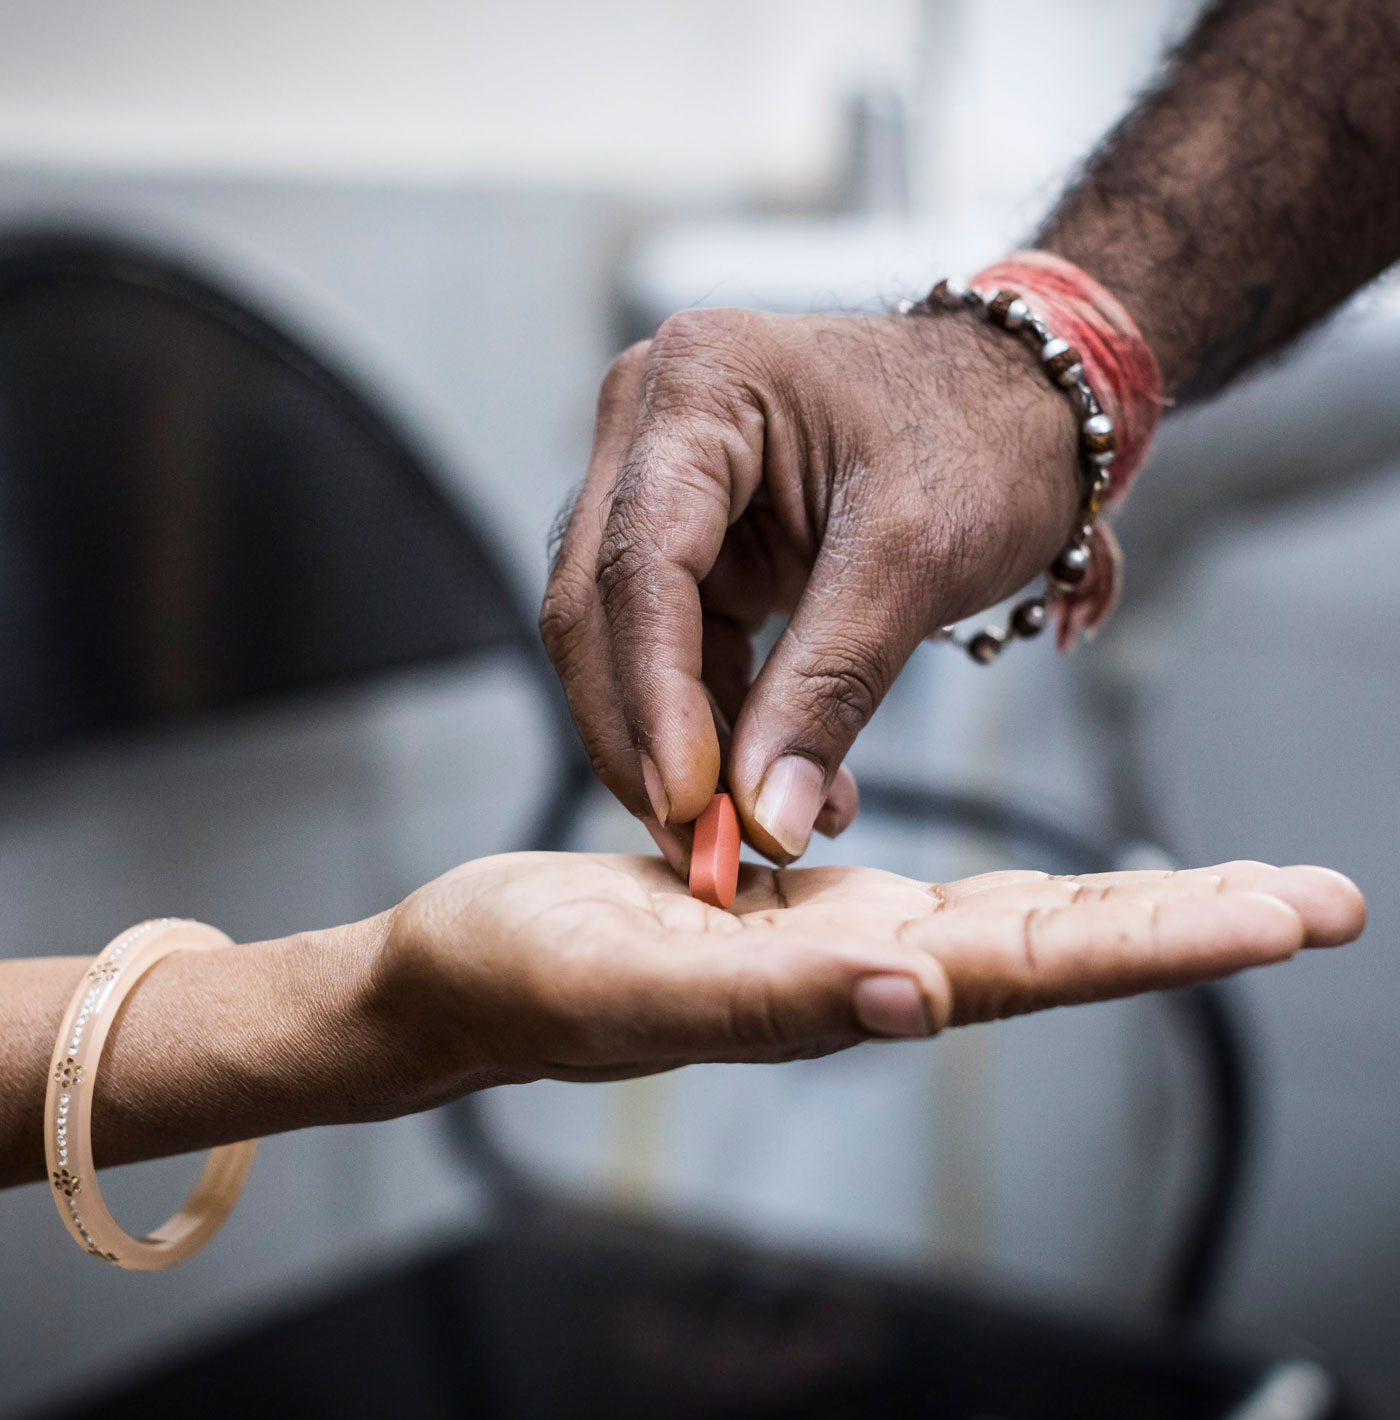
(692, 466)
(1330, 906)
(760, 993)
(572, 624)
(726, 662)
(726, 666)
(841, 806)
(1008, 961)
(862, 614)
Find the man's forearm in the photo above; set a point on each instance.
(1255, 188)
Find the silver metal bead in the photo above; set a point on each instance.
(1070, 568)
(1016, 314)
(955, 290)
(1098, 424)
(1081, 397)
(1053, 347)
(1033, 328)
(1103, 460)
(1028, 618)
(1073, 376)
(904, 307)
(986, 646)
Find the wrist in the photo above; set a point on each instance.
(1140, 285)
(1033, 492)
(250, 1039)
(362, 1043)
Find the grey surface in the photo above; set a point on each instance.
(1270, 731)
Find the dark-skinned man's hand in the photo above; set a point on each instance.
(872, 478)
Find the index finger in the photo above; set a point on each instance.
(572, 625)
(1010, 960)
(693, 465)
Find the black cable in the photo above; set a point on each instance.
(966, 811)
(1211, 1015)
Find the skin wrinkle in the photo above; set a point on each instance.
(780, 887)
(1030, 918)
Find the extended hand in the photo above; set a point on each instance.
(583, 968)
(876, 478)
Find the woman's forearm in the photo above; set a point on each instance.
(210, 1048)
(583, 967)
(1252, 190)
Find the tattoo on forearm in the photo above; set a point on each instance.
(1233, 352)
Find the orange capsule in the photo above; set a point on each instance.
(714, 861)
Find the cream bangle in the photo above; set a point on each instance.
(68, 1110)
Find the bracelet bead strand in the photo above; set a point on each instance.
(1064, 367)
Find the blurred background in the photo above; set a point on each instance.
(462, 210)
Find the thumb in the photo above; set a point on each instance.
(860, 618)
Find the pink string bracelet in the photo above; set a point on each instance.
(1088, 346)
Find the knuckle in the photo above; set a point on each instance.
(562, 614)
(617, 568)
(845, 693)
(688, 334)
(1032, 930)
(704, 361)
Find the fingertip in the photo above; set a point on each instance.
(1331, 905)
(1286, 934)
(892, 1007)
(657, 796)
(669, 846)
(841, 806)
(686, 763)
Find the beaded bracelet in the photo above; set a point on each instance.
(1097, 447)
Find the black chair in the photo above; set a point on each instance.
(196, 513)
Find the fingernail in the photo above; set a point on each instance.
(668, 844)
(660, 804)
(892, 1006)
(789, 801)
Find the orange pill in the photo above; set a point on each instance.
(714, 861)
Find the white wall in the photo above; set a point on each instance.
(721, 95)
(644, 96)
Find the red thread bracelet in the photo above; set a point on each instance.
(1112, 380)
(1119, 363)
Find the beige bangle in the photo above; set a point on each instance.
(68, 1110)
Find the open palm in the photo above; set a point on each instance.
(577, 966)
